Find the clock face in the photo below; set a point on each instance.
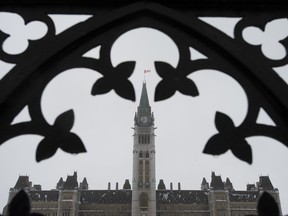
(144, 119)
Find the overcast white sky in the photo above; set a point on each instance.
(184, 124)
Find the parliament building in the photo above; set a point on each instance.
(142, 197)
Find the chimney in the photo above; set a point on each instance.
(179, 186)
(116, 186)
(109, 186)
(171, 186)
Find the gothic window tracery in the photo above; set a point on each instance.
(248, 62)
(264, 84)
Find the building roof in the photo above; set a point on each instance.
(162, 197)
(265, 183)
(22, 182)
(84, 184)
(228, 184)
(216, 182)
(247, 196)
(40, 196)
(144, 106)
(71, 182)
(106, 197)
(181, 197)
(127, 185)
(60, 184)
(84, 181)
(161, 185)
(204, 182)
(251, 187)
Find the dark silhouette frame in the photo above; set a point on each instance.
(41, 62)
(24, 84)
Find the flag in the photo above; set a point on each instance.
(147, 71)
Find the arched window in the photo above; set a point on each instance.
(140, 154)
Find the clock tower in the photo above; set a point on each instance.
(144, 180)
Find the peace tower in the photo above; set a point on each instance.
(144, 180)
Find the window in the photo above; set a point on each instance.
(147, 168)
(143, 200)
(147, 154)
(141, 167)
(144, 139)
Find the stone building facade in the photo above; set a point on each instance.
(73, 198)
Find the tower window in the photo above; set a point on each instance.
(144, 138)
(147, 154)
(147, 167)
(141, 167)
(141, 139)
(140, 154)
(143, 200)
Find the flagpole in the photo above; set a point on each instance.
(146, 71)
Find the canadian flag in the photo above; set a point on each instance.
(147, 71)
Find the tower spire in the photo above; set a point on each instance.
(144, 106)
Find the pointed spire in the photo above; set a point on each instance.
(127, 185)
(204, 184)
(144, 106)
(228, 184)
(161, 185)
(84, 184)
(60, 184)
